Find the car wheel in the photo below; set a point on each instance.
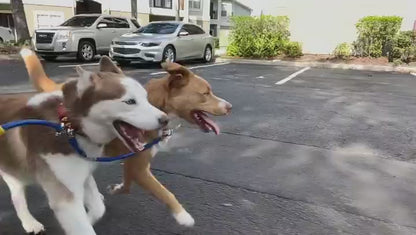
(123, 62)
(169, 54)
(86, 51)
(208, 54)
(49, 57)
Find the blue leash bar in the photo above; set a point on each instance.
(71, 139)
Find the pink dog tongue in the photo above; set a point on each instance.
(214, 127)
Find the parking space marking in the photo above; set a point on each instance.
(75, 65)
(195, 67)
(414, 74)
(283, 81)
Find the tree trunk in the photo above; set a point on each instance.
(19, 18)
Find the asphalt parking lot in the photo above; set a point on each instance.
(326, 152)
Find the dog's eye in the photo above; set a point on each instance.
(206, 93)
(130, 101)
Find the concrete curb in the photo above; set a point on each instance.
(9, 56)
(375, 68)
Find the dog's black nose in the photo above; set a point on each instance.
(164, 120)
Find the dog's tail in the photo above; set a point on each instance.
(36, 73)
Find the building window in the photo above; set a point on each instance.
(195, 4)
(162, 3)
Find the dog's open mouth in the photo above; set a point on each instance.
(132, 136)
(203, 121)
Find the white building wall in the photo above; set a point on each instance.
(60, 3)
(143, 6)
(121, 5)
(322, 24)
(238, 10)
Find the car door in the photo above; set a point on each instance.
(198, 41)
(183, 44)
(105, 34)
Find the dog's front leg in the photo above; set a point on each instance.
(147, 180)
(94, 200)
(17, 193)
(138, 168)
(69, 208)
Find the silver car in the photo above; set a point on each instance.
(82, 35)
(163, 41)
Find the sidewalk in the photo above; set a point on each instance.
(318, 64)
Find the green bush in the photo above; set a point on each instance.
(375, 34)
(293, 49)
(343, 51)
(404, 47)
(13, 47)
(261, 37)
(405, 39)
(217, 43)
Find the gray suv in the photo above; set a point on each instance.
(82, 35)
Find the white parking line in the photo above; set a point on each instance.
(156, 73)
(414, 74)
(195, 67)
(283, 81)
(75, 65)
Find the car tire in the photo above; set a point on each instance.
(49, 57)
(123, 62)
(169, 54)
(207, 54)
(86, 51)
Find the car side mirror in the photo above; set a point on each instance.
(183, 34)
(102, 25)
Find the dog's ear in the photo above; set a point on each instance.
(179, 75)
(86, 80)
(106, 65)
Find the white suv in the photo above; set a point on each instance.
(6, 34)
(82, 35)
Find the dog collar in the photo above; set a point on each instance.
(66, 125)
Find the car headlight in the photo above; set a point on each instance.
(64, 34)
(149, 44)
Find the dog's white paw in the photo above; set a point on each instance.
(117, 189)
(184, 218)
(33, 227)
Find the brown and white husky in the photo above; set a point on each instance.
(100, 106)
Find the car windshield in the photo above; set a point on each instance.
(80, 21)
(158, 28)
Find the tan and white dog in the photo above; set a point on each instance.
(101, 107)
(181, 93)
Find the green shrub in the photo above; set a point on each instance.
(261, 37)
(404, 47)
(217, 43)
(343, 51)
(397, 62)
(13, 47)
(405, 39)
(375, 33)
(293, 49)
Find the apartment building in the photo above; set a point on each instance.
(220, 14)
(47, 13)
